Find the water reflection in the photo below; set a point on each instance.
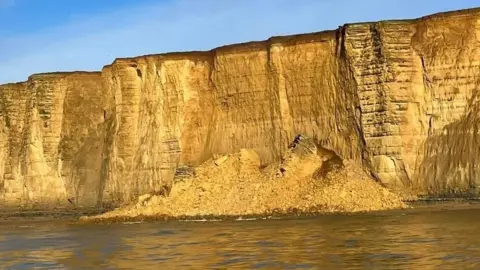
(445, 240)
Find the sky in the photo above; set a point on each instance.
(65, 35)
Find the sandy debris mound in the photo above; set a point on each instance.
(307, 179)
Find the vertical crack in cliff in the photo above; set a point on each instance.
(348, 77)
(426, 86)
(280, 85)
(273, 84)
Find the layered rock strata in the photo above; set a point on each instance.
(397, 97)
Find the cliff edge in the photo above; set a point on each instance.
(396, 98)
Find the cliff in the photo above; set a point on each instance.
(398, 98)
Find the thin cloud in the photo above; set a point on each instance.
(174, 26)
(7, 3)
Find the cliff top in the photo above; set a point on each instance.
(287, 39)
(241, 47)
(63, 73)
(54, 75)
(15, 84)
(435, 16)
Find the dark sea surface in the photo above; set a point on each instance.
(387, 240)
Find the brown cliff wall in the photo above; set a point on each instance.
(185, 108)
(399, 97)
(52, 139)
(415, 78)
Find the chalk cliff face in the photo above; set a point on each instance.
(398, 97)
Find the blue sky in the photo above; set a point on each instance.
(64, 35)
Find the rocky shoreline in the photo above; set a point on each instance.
(49, 213)
(422, 205)
(79, 214)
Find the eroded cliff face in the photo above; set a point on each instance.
(417, 79)
(397, 97)
(52, 139)
(185, 108)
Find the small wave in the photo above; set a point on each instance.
(245, 219)
(132, 222)
(200, 220)
(26, 226)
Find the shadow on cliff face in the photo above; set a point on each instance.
(450, 164)
(85, 174)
